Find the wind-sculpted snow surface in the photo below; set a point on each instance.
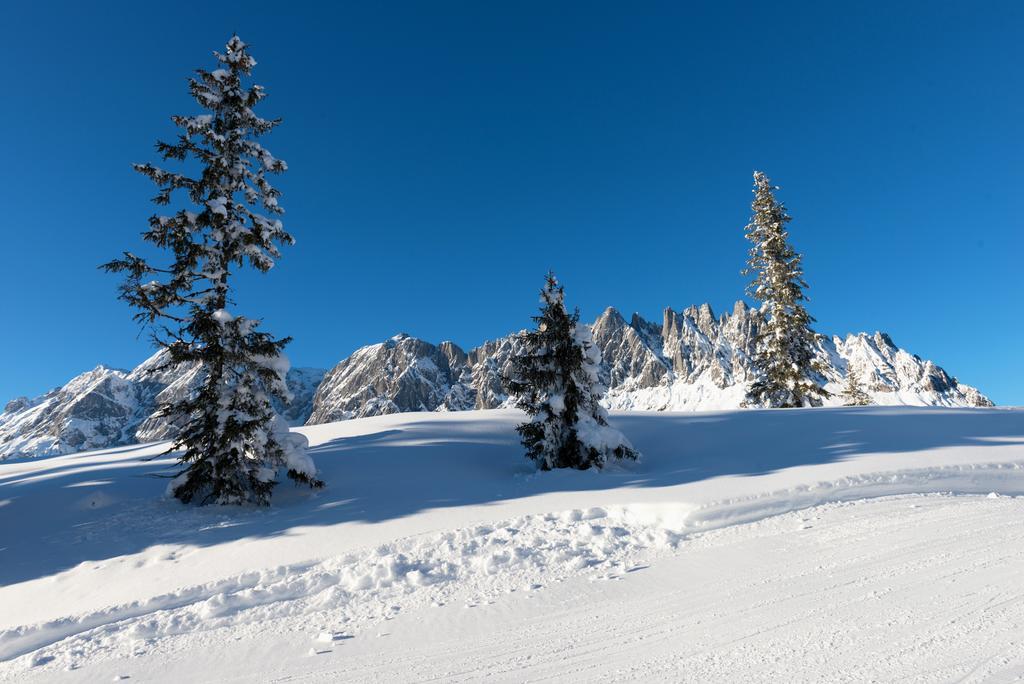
(434, 521)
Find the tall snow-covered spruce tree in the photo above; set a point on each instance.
(785, 348)
(232, 444)
(555, 379)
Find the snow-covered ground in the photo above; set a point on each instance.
(825, 544)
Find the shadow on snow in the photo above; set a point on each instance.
(91, 507)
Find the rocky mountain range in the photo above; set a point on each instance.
(692, 361)
(107, 407)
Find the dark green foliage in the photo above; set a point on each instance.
(789, 374)
(555, 379)
(232, 444)
(853, 393)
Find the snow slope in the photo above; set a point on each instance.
(746, 545)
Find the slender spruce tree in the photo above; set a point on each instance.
(853, 392)
(790, 376)
(555, 379)
(232, 445)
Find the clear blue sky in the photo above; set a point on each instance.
(444, 155)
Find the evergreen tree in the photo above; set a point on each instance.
(785, 344)
(232, 444)
(555, 379)
(853, 392)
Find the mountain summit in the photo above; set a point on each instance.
(693, 361)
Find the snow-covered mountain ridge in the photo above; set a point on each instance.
(108, 407)
(692, 361)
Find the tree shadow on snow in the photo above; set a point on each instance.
(88, 507)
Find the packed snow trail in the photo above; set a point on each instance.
(431, 513)
(917, 588)
(923, 588)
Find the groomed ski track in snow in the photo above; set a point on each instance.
(909, 588)
(823, 544)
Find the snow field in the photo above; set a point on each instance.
(359, 588)
(916, 586)
(479, 564)
(435, 538)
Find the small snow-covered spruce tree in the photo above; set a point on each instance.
(853, 393)
(789, 374)
(232, 444)
(555, 379)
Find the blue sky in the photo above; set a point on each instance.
(445, 155)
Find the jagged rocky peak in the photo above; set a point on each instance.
(91, 411)
(703, 348)
(629, 357)
(401, 374)
(742, 324)
(409, 374)
(17, 404)
(643, 327)
(109, 407)
(456, 357)
(704, 319)
(894, 376)
(692, 361)
(489, 365)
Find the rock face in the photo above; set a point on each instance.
(401, 374)
(700, 362)
(692, 361)
(93, 410)
(108, 407)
